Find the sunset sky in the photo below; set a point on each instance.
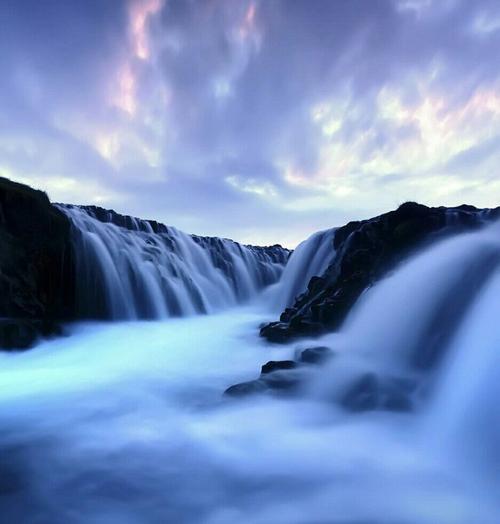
(261, 121)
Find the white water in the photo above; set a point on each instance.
(125, 423)
(136, 273)
(310, 258)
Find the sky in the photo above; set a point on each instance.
(257, 120)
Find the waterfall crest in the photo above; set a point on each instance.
(129, 268)
(310, 258)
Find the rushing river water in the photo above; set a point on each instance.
(125, 422)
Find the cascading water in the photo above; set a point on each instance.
(124, 422)
(131, 271)
(310, 258)
(465, 401)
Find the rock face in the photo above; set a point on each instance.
(36, 280)
(18, 334)
(366, 251)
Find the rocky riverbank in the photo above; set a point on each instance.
(36, 266)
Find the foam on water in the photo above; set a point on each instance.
(125, 423)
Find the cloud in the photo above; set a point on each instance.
(258, 120)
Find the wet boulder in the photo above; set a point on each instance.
(277, 376)
(277, 382)
(244, 389)
(276, 365)
(282, 377)
(276, 332)
(316, 355)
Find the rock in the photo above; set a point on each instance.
(315, 284)
(286, 315)
(365, 251)
(246, 388)
(277, 382)
(398, 402)
(370, 392)
(276, 365)
(282, 381)
(281, 376)
(398, 394)
(362, 395)
(277, 376)
(276, 332)
(36, 260)
(22, 333)
(17, 334)
(316, 355)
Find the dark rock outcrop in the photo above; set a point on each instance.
(36, 269)
(365, 252)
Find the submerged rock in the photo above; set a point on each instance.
(278, 376)
(362, 395)
(281, 376)
(370, 392)
(316, 355)
(246, 388)
(277, 382)
(367, 392)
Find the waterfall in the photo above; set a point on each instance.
(465, 402)
(129, 268)
(105, 419)
(310, 258)
(421, 304)
(436, 312)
